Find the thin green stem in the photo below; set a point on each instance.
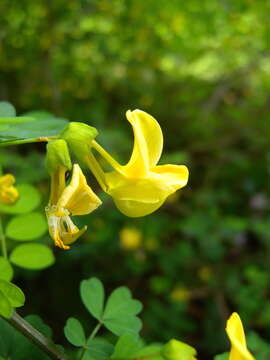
(27, 141)
(96, 170)
(45, 344)
(105, 155)
(91, 337)
(3, 240)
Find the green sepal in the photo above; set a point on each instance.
(79, 137)
(57, 155)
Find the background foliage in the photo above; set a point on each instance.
(203, 70)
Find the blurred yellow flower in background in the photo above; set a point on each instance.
(130, 238)
(236, 334)
(180, 294)
(8, 193)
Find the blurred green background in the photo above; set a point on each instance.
(202, 68)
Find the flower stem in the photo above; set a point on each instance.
(96, 170)
(27, 141)
(45, 344)
(3, 240)
(91, 337)
(115, 164)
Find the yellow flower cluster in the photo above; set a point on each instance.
(137, 188)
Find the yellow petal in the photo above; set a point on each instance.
(8, 193)
(61, 228)
(143, 196)
(78, 198)
(148, 144)
(175, 176)
(237, 338)
(7, 180)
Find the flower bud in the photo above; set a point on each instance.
(177, 350)
(79, 137)
(57, 155)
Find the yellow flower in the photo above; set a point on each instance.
(180, 294)
(235, 332)
(77, 198)
(8, 193)
(141, 186)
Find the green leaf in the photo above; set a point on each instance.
(7, 109)
(153, 350)
(39, 324)
(13, 293)
(33, 125)
(119, 315)
(26, 227)
(32, 256)
(6, 271)
(92, 295)
(74, 332)
(124, 325)
(126, 347)
(121, 302)
(29, 199)
(5, 307)
(99, 349)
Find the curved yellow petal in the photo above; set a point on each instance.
(175, 176)
(134, 208)
(148, 143)
(78, 198)
(237, 338)
(143, 196)
(61, 228)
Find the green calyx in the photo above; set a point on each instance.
(57, 155)
(79, 137)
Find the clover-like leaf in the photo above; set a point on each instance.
(99, 349)
(120, 312)
(74, 332)
(126, 347)
(92, 295)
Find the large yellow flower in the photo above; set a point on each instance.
(235, 332)
(141, 186)
(77, 198)
(8, 193)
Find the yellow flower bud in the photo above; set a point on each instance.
(177, 350)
